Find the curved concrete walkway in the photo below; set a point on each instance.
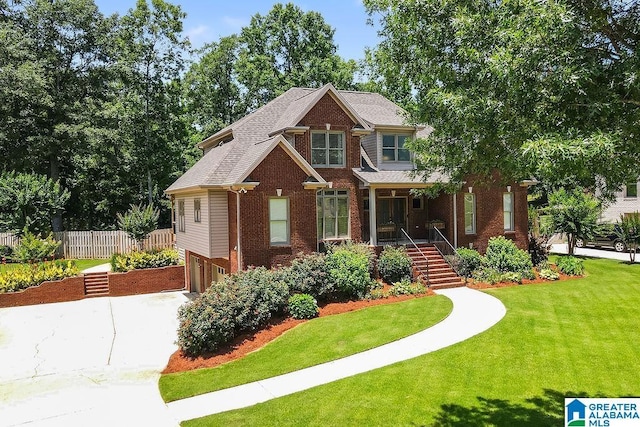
(473, 312)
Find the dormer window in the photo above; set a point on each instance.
(327, 149)
(393, 149)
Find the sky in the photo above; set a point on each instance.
(208, 20)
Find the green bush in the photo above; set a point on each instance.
(5, 252)
(25, 276)
(570, 265)
(378, 294)
(405, 287)
(349, 270)
(140, 260)
(207, 322)
(548, 274)
(32, 248)
(504, 256)
(241, 302)
(487, 275)
(303, 306)
(394, 265)
(468, 261)
(358, 248)
(309, 274)
(138, 222)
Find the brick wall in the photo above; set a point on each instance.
(69, 289)
(277, 170)
(489, 214)
(147, 281)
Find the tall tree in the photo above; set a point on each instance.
(212, 93)
(150, 62)
(62, 54)
(288, 47)
(548, 89)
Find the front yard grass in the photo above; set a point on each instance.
(311, 343)
(572, 338)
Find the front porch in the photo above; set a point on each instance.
(393, 215)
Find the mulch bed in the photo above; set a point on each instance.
(247, 343)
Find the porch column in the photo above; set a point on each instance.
(372, 217)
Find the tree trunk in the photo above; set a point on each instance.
(54, 164)
(571, 243)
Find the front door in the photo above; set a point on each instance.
(196, 273)
(392, 211)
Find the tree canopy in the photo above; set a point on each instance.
(535, 89)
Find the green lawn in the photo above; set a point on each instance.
(81, 263)
(571, 338)
(311, 343)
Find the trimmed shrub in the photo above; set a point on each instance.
(303, 306)
(394, 265)
(548, 274)
(260, 294)
(349, 270)
(468, 261)
(309, 274)
(25, 276)
(207, 322)
(141, 260)
(358, 248)
(241, 302)
(504, 256)
(570, 265)
(35, 249)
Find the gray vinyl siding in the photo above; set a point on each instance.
(621, 206)
(219, 224)
(370, 144)
(195, 237)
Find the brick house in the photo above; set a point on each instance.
(318, 165)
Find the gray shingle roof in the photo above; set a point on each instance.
(229, 162)
(406, 178)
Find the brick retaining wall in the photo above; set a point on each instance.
(120, 284)
(69, 289)
(146, 281)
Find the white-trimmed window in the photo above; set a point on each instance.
(631, 190)
(507, 209)
(197, 215)
(469, 213)
(278, 221)
(333, 214)
(393, 149)
(181, 216)
(327, 149)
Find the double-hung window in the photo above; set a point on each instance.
(197, 215)
(393, 149)
(469, 213)
(631, 190)
(507, 209)
(278, 221)
(332, 208)
(181, 216)
(327, 149)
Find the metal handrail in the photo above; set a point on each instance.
(419, 250)
(453, 250)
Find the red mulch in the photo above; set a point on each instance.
(473, 285)
(247, 343)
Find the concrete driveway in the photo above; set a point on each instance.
(91, 362)
(561, 248)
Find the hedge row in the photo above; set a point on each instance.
(25, 276)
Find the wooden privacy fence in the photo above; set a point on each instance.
(99, 244)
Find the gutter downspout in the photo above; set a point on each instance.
(455, 221)
(238, 248)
